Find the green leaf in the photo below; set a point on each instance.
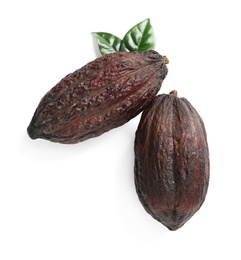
(107, 42)
(139, 38)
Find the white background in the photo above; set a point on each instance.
(79, 201)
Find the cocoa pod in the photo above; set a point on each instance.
(104, 94)
(171, 160)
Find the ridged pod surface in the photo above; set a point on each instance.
(104, 94)
(171, 160)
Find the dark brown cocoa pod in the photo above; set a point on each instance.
(171, 160)
(104, 94)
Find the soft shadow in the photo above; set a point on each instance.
(50, 151)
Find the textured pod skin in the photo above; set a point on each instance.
(104, 94)
(171, 160)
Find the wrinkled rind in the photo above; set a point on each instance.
(171, 160)
(104, 94)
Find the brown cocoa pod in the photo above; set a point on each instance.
(104, 94)
(171, 160)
